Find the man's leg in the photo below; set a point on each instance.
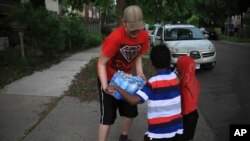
(103, 132)
(108, 107)
(126, 124)
(127, 112)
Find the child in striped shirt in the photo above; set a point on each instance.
(162, 94)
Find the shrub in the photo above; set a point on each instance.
(194, 20)
(43, 33)
(93, 40)
(74, 31)
(46, 31)
(246, 29)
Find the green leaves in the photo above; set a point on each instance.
(194, 20)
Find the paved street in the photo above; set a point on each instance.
(224, 98)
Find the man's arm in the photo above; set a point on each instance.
(102, 71)
(138, 67)
(132, 99)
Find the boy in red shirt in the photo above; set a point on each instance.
(190, 90)
(121, 50)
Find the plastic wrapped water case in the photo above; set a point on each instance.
(127, 82)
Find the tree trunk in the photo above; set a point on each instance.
(119, 9)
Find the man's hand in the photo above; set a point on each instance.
(107, 90)
(142, 76)
(111, 90)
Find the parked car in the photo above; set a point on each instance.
(210, 33)
(152, 31)
(186, 40)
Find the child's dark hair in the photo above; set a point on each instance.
(160, 57)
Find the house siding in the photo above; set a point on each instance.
(52, 5)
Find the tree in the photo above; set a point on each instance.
(119, 9)
(170, 10)
(194, 20)
(38, 3)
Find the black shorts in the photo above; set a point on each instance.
(109, 106)
(189, 125)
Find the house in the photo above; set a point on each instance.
(90, 14)
(5, 6)
(53, 5)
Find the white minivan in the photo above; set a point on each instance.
(186, 40)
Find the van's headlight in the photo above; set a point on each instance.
(211, 48)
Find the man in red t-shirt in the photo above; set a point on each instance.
(121, 50)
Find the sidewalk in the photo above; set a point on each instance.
(23, 102)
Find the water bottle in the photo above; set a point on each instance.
(115, 80)
(123, 83)
(127, 82)
(133, 87)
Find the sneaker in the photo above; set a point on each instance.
(124, 138)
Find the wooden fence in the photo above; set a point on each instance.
(93, 26)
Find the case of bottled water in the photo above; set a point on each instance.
(127, 82)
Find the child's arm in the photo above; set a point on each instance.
(132, 99)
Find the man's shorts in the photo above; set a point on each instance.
(109, 106)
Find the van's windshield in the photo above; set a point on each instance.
(183, 33)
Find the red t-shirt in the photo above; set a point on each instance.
(123, 50)
(189, 85)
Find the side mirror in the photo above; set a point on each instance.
(206, 36)
(158, 38)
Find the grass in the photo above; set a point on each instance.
(14, 66)
(234, 39)
(18, 68)
(84, 86)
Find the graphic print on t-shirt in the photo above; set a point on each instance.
(130, 52)
(125, 57)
